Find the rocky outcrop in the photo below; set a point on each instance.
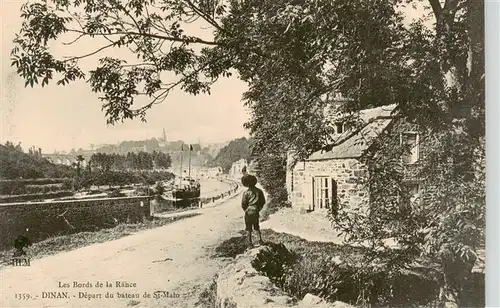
(240, 285)
(317, 302)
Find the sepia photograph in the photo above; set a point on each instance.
(243, 153)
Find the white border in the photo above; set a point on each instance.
(492, 41)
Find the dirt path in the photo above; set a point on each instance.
(173, 258)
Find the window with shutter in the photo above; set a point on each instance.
(334, 202)
(324, 192)
(313, 195)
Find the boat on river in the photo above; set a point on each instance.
(187, 190)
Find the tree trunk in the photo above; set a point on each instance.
(474, 95)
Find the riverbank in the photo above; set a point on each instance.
(173, 258)
(69, 242)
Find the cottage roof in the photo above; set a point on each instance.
(353, 144)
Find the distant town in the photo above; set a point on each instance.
(114, 170)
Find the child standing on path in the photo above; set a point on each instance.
(252, 203)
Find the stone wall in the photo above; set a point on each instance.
(349, 174)
(240, 285)
(40, 220)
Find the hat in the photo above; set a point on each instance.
(249, 180)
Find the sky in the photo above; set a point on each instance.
(61, 118)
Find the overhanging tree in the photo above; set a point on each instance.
(153, 32)
(292, 54)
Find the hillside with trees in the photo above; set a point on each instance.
(212, 149)
(199, 156)
(131, 161)
(16, 164)
(235, 150)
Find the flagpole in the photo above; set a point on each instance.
(190, 149)
(180, 176)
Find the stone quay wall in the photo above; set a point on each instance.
(41, 220)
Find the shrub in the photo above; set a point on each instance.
(30, 186)
(336, 273)
(159, 189)
(67, 184)
(144, 191)
(42, 189)
(320, 276)
(274, 260)
(232, 247)
(12, 187)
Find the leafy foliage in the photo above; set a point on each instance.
(447, 223)
(236, 149)
(16, 164)
(271, 172)
(273, 259)
(149, 146)
(143, 27)
(122, 178)
(131, 161)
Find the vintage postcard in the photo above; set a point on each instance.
(242, 153)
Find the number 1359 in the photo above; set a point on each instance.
(22, 296)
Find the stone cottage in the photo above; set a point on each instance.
(336, 175)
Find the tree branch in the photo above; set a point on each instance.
(207, 18)
(436, 9)
(138, 64)
(163, 95)
(89, 54)
(75, 40)
(451, 5)
(191, 40)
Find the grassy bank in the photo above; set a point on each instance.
(70, 242)
(208, 297)
(237, 245)
(337, 273)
